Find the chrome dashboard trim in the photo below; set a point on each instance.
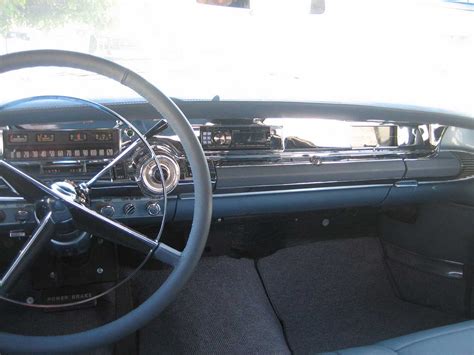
(273, 192)
(323, 153)
(427, 182)
(301, 188)
(9, 186)
(11, 199)
(310, 183)
(54, 162)
(190, 196)
(309, 162)
(1, 143)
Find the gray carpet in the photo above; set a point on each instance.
(328, 295)
(335, 294)
(222, 310)
(27, 321)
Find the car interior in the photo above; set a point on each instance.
(155, 224)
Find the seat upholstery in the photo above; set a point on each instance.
(452, 339)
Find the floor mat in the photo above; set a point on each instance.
(222, 310)
(22, 320)
(335, 294)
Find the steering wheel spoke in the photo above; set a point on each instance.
(160, 126)
(167, 254)
(40, 237)
(85, 219)
(94, 223)
(29, 188)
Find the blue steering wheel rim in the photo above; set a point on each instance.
(162, 297)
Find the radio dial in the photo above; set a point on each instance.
(222, 138)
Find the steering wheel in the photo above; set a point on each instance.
(31, 189)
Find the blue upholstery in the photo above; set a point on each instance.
(452, 339)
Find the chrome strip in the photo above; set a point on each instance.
(370, 154)
(53, 162)
(11, 199)
(273, 192)
(426, 182)
(1, 143)
(441, 267)
(308, 162)
(26, 250)
(311, 183)
(9, 186)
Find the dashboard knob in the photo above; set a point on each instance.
(129, 209)
(149, 178)
(222, 138)
(107, 211)
(153, 208)
(22, 216)
(219, 138)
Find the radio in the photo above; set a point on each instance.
(236, 137)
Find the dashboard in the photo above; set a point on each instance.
(274, 163)
(264, 159)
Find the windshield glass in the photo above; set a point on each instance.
(410, 52)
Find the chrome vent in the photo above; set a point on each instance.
(467, 163)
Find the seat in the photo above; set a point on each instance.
(452, 339)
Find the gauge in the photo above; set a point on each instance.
(104, 137)
(17, 138)
(45, 137)
(78, 137)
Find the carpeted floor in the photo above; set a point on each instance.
(222, 310)
(336, 294)
(21, 320)
(328, 295)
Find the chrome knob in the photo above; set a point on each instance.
(22, 216)
(153, 208)
(107, 211)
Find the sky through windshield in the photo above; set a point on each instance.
(411, 52)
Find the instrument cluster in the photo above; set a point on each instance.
(56, 155)
(25, 145)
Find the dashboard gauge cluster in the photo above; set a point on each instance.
(30, 145)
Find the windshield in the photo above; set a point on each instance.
(410, 52)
